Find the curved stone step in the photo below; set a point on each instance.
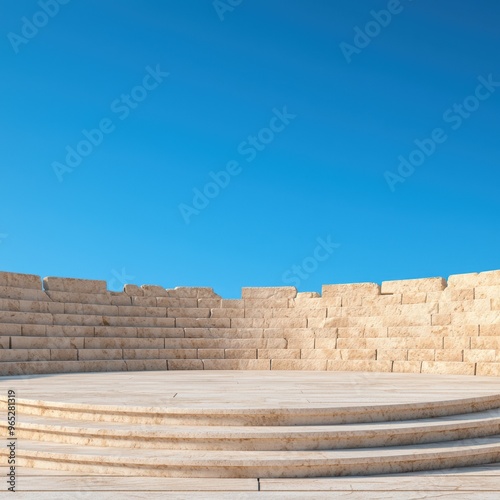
(266, 415)
(263, 464)
(309, 437)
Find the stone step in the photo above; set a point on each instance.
(186, 411)
(262, 464)
(258, 438)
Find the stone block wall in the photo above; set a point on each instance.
(420, 326)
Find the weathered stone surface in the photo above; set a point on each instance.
(413, 286)
(74, 285)
(30, 281)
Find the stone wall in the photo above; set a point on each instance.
(421, 326)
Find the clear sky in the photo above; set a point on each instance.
(249, 143)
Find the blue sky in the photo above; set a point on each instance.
(301, 110)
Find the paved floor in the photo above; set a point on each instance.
(247, 390)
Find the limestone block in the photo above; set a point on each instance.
(382, 300)
(373, 322)
(12, 329)
(360, 366)
(133, 290)
(240, 353)
(278, 353)
(424, 343)
(286, 322)
(453, 343)
(392, 354)
(63, 354)
(406, 366)
(298, 343)
(485, 329)
(298, 364)
(327, 343)
(102, 354)
(35, 330)
(414, 297)
(488, 369)
(487, 292)
(480, 355)
(331, 333)
(159, 332)
(495, 304)
(105, 331)
(485, 342)
(257, 313)
(487, 278)
(123, 343)
(233, 303)
(24, 355)
(307, 295)
(210, 353)
(358, 354)
(183, 312)
(47, 342)
(459, 294)
(409, 331)
(351, 289)
(265, 303)
(379, 332)
(154, 291)
(277, 333)
(421, 355)
(74, 285)
(203, 322)
(448, 368)
(413, 285)
(209, 303)
(17, 280)
(247, 323)
(4, 342)
(227, 313)
(338, 312)
(66, 331)
(450, 355)
(461, 281)
(95, 309)
(10, 292)
(199, 292)
(134, 365)
(315, 322)
(320, 354)
(282, 292)
(25, 317)
(351, 332)
(145, 301)
(185, 364)
(441, 319)
(299, 312)
(407, 320)
(80, 298)
(337, 322)
(236, 364)
(136, 353)
(118, 298)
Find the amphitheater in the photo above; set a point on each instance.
(365, 391)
